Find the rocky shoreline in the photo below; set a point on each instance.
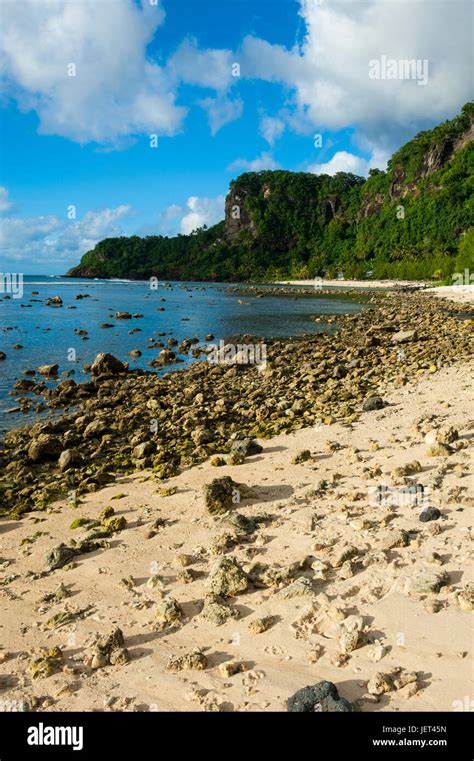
(322, 570)
(124, 420)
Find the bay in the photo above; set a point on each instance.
(47, 334)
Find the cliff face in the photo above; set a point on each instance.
(237, 218)
(252, 194)
(418, 160)
(280, 223)
(277, 210)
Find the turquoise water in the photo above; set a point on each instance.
(190, 310)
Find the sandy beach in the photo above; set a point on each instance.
(458, 293)
(346, 283)
(342, 555)
(426, 633)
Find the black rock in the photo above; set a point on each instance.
(322, 697)
(245, 447)
(430, 514)
(373, 403)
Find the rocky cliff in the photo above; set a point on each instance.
(411, 221)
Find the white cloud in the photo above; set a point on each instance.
(264, 161)
(52, 239)
(211, 69)
(5, 203)
(202, 211)
(343, 161)
(271, 128)
(221, 111)
(116, 91)
(204, 68)
(328, 74)
(168, 221)
(198, 211)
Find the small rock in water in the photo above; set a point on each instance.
(107, 364)
(48, 370)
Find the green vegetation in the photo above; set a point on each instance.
(412, 221)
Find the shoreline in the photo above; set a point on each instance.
(345, 283)
(327, 579)
(462, 294)
(187, 432)
(289, 628)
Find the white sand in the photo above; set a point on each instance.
(352, 283)
(463, 294)
(437, 646)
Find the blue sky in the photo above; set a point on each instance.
(226, 86)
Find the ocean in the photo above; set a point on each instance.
(179, 310)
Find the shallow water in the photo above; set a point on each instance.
(191, 310)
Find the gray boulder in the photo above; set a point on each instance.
(48, 370)
(373, 403)
(107, 364)
(245, 447)
(69, 458)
